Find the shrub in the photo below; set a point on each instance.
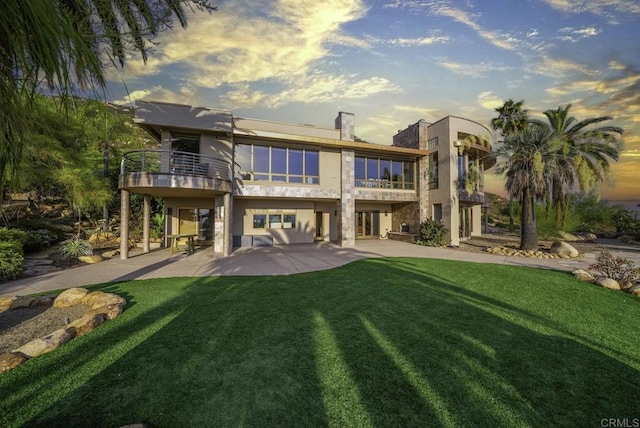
(626, 221)
(47, 237)
(28, 241)
(618, 268)
(74, 248)
(432, 234)
(11, 260)
(30, 224)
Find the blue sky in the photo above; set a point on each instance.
(393, 62)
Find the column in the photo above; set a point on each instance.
(218, 225)
(228, 212)
(124, 224)
(347, 205)
(146, 223)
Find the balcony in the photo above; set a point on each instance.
(166, 173)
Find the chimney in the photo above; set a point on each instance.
(346, 123)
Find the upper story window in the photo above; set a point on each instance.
(384, 173)
(185, 143)
(277, 164)
(434, 182)
(432, 142)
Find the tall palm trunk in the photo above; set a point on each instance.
(528, 231)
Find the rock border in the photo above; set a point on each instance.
(103, 307)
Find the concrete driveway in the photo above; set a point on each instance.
(276, 260)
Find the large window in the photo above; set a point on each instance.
(266, 163)
(384, 173)
(433, 171)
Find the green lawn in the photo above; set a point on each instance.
(380, 342)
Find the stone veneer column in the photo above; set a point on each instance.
(218, 225)
(146, 223)
(423, 189)
(347, 205)
(124, 224)
(227, 246)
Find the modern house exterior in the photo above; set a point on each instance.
(230, 181)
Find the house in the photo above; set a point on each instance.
(230, 181)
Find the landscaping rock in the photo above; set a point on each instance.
(6, 302)
(583, 275)
(109, 312)
(110, 254)
(9, 361)
(626, 238)
(70, 297)
(568, 237)
(91, 259)
(42, 301)
(609, 283)
(22, 302)
(101, 237)
(84, 325)
(635, 290)
(44, 344)
(564, 249)
(63, 227)
(98, 299)
(586, 236)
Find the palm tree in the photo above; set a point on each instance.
(511, 118)
(585, 154)
(61, 43)
(530, 155)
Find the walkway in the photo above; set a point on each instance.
(276, 260)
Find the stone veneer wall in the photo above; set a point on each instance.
(279, 191)
(406, 213)
(346, 216)
(218, 225)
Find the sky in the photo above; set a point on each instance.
(394, 62)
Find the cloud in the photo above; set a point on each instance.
(316, 88)
(472, 70)
(442, 8)
(489, 101)
(242, 43)
(605, 8)
(546, 65)
(418, 41)
(570, 34)
(159, 93)
(615, 65)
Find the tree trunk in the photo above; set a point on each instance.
(528, 230)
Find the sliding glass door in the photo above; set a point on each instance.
(367, 224)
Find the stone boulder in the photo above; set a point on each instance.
(6, 302)
(84, 325)
(98, 299)
(583, 275)
(635, 290)
(44, 344)
(101, 237)
(42, 301)
(567, 237)
(626, 239)
(9, 361)
(91, 259)
(586, 236)
(70, 297)
(109, 312)
(609, 283)
(110, 254)
(564, 249)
